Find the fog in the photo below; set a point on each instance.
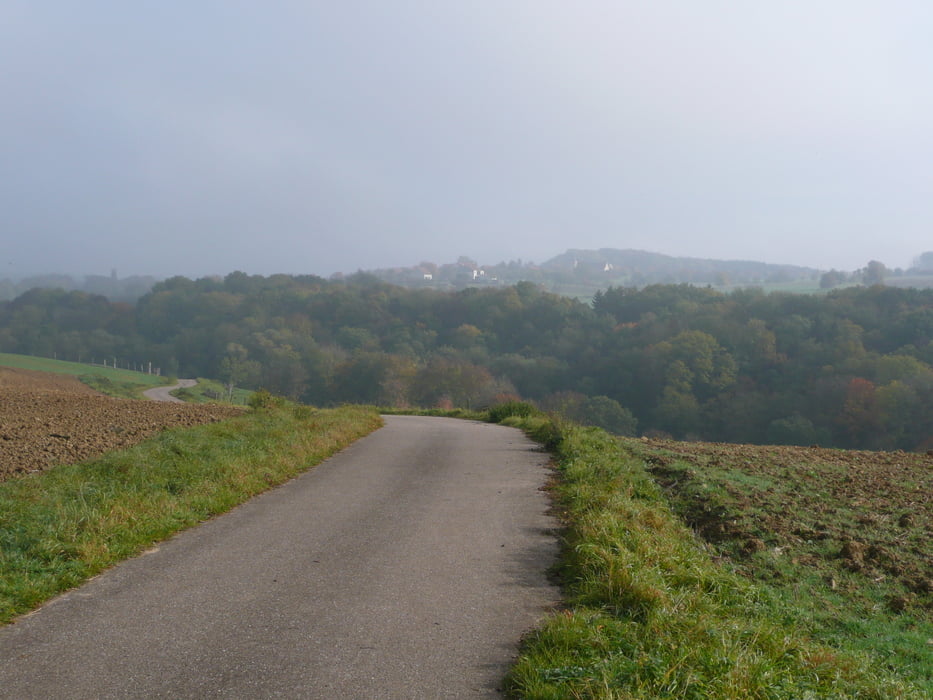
(201, 138)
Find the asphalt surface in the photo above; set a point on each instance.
(407, 566)
(161, 393)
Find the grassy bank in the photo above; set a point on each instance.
(122, 383)
(840, 539)
(462, 413)
(650, 614)
(60, 527)
(212, 391)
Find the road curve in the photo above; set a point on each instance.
(161, 393)
(408, 566)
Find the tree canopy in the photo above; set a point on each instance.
(849, 368)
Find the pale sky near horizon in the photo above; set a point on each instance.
(318, 137)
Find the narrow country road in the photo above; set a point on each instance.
(161, 393)
(408, 566)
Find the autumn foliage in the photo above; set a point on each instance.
(849, 368)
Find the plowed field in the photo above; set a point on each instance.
(50, 419)
(849, 516)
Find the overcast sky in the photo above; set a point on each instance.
(203, 137)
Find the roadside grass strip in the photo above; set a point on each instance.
(212, 391)
(63, 526)
(649, 614)
(120, 389)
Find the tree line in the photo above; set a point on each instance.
(850, 368)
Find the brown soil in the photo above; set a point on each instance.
(867, 513)
(42, 382)
(49, 419)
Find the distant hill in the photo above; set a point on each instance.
(581, 273)
(639, 267)
(576, 273)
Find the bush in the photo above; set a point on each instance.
(517, 409)
(264, 399)
(609, 415)
(302, 412)
(796, 430)
(548, 430)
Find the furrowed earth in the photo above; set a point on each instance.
(49, 419)
(857, 519)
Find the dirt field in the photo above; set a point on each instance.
(844, 513)
(49, 419)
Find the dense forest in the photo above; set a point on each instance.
(849, 368)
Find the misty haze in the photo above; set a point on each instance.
(525, 349)
(330, 138)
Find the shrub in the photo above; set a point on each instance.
(264, 399)
(302, 412)
(609, 415)
(518, 409)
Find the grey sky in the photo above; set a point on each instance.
(313, 137)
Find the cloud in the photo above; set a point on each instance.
(322, 137)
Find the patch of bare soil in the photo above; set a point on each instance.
(50, 419)
(852, 512)
(43, 382)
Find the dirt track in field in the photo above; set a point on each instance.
(49, 419)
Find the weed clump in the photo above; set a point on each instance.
(264, 399)
(509, 409)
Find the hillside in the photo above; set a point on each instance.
(638, 268)
(581, 273)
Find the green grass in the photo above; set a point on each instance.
(122, 383)
(795, 287)
(463, 413)
(211, 391)
(62, 526)
(650, 614)
(117, 388)
(806, 517)
(917, 281)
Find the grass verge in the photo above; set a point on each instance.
(121, 383)
(211, 391)
(462, 413)
(60, 527)
(841, 539)
(117, 388)
(650, 614)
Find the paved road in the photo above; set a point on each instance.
(161, 393)
(407, 566)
